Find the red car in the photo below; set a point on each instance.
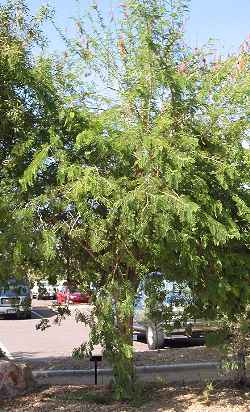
(66, 295)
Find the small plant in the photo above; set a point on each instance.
(104, 396)
(208, 390)
(233, 342)
(98, 397)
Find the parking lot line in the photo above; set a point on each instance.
(37, 314)
(5, 351)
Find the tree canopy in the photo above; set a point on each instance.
(30, 100)
(144, 172)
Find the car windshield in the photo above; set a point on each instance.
(13, 291)
(172, 298)
(61, 288)
(175, 297)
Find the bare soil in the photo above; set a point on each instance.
(163, 356)
(159, 398)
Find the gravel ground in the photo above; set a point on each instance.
(157, 399)
(169, 355)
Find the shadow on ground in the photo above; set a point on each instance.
(164, 356)
(52, 362)
(177, 341)
(156, 398)
(43, 311)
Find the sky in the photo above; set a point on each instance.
(228, 21)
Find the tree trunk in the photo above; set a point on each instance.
(123, 361)
(241, 377)
(115, 313)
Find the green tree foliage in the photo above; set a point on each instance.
(149, 172)
(29, 105)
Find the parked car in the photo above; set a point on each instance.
(155, 326)
(43, 290)
(67, 295)
(15, 299)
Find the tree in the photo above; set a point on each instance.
(153, 178)
(30, 100)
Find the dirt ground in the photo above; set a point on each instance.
(160, 398)
(167, 355)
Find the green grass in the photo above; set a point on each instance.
(105, 396)
(98, 397)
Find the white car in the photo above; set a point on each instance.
(15, 299)
(43, 290)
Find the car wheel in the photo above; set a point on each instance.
(155, 337)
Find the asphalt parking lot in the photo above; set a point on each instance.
(22, 341)
(49, 352)
(53, 347)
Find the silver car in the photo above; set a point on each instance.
(16, 300)
(166, 317)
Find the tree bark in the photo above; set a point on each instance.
(123, 365)
(241, 364)
(123, 360)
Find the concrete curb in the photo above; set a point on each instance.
(140, 369)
